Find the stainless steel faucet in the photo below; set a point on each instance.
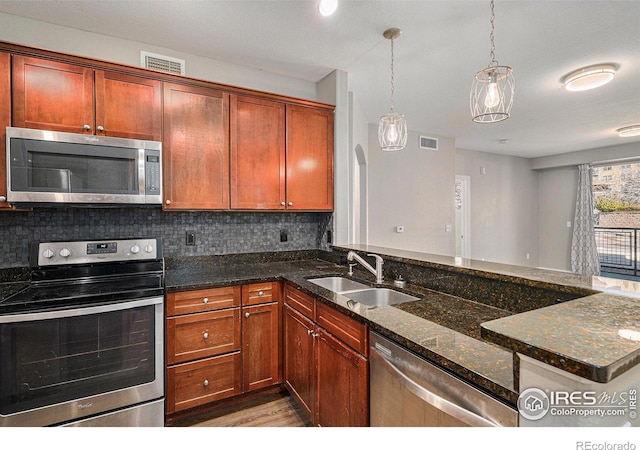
(378, 269)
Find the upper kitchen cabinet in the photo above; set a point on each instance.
(281, 156)
(195, 148)
(66, 97)
(5, 121)
(309, 161)
(257, 153)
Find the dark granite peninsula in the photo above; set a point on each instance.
(566, 332)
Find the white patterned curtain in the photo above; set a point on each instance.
(584, 253)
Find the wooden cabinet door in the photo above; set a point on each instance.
(261, 360)
(309, 158)
(128, 106)
(5, 121)
(299, 362)
(195, 148)
(257, 153)
(342, 384)
(52, 95)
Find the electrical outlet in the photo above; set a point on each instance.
(283, 236)
(190, 238)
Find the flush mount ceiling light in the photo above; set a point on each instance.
(392, 129)
(327, 7)
(493, 88)
(632, 130)
(589, 77)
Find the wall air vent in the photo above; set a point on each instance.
(428, 143)
(162, 63)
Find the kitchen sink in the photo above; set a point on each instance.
(361, 293)
(379, 297)
(338, 284)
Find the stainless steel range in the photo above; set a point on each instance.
(83, 344)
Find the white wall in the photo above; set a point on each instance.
(358, 163)
(68, 40)
(412, 188)
(504, 207)
(333, 89)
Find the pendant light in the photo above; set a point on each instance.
(493, 88)
(392, 129)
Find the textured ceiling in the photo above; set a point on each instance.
(443, 44)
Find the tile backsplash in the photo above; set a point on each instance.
(216, 233)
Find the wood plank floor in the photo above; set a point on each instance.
(276, 411)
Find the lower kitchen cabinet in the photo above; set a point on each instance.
(342, 384)
(299, 359)
(261, 335)
(222, 342)
(327, 375)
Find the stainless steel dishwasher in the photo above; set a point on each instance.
(407, 390)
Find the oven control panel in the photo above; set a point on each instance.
(84, 252)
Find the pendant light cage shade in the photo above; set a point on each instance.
(492, 94)
(392, 132)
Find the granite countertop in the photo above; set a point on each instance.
(595, 336)
(483, 364)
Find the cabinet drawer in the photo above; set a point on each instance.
(348, 330)
(202, 335)
(258, 293)
(300, 301)
(202, 300)
(204, 381)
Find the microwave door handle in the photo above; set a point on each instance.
(444, 405)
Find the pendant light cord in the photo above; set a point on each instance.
(491, 36)
(392, 75)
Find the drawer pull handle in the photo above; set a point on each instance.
(206, 383)
(205, 335)
(247, 315)
(260, 294)
(205, 300)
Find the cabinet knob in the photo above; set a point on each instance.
(86, 127)
(205, 300)
(100, 128)
(205, 383)
(247, 315)
(205, 335)
(283, 204)
(290, 203)
(260, 294)
(167, 202)
(309, 332)
(3, 198)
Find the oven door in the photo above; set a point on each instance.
(63, 365)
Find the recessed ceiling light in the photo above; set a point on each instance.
(632, 130)
(327, 7)
(589, 77)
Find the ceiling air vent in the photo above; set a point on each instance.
(428, 143)
(162, 63)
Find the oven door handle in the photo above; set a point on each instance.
(57, 314)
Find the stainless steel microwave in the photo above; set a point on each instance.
(48, 167)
